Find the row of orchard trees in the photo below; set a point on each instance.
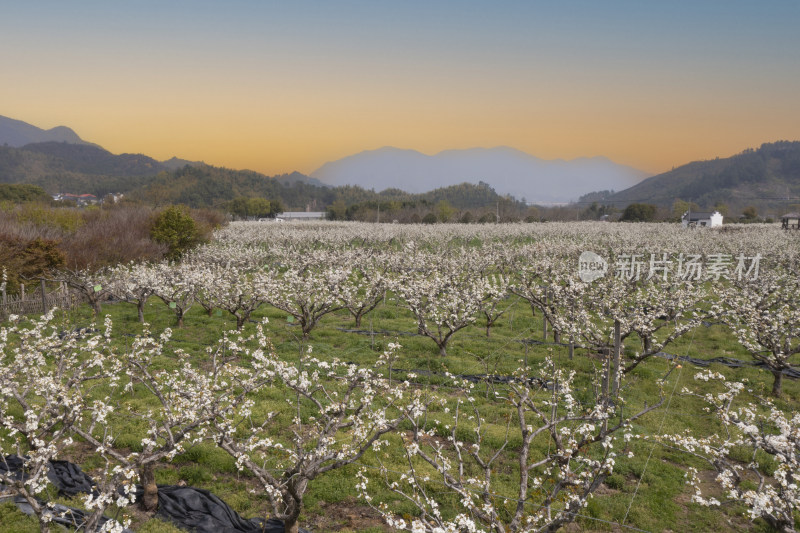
(451, 288)
(444, 293)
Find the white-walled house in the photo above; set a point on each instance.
(302, 215)
(702, 219)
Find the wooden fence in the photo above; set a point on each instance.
(38, 301)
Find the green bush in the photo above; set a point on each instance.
(639, 213)
(176, 228)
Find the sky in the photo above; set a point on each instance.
(283, 86)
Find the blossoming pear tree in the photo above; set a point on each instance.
(751, 432)
(764, 314)
(562, 451)
(337, 412)
(45, 379)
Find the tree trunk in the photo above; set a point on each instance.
(240, 322)
(147, 478)
(648, 344)
(140, 309)
(291, 526)
(616, 355)
(358, 320)
(96, 307)
(293, 503)
(777, 385)
(442, 349)
(180, 318)
(92, 522)
(44, 526)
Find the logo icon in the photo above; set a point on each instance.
(591, 267)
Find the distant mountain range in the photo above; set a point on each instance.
(70, 164)
(60, 161)
(508, 170)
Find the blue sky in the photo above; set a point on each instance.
(283, 86)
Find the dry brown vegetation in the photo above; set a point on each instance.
(37, 237)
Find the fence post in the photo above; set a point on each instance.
(44, 298)
(22, 291)
(544, 315)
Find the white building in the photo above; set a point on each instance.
(701, 219)
(302, 215)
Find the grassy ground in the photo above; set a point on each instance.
(646, 492)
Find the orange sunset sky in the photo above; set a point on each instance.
(276, 87)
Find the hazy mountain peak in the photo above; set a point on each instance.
(175, 163)
(507, 169)
(17, 133)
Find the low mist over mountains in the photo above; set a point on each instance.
(508, 170)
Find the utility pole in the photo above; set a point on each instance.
(44, 298)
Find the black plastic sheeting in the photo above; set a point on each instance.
(12, 464)
(198, 510)
(547, 343)
(70, 479)
(380, 332)
(67, 477)
(189, 508)
(78, 333)
(547, 384)
(792, 373)
(730, 362)
(63, 515)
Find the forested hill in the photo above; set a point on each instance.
(76, 168)
(81, 169)
(88, 159)
(207, 186)
(763, 177)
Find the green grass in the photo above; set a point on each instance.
(12, 519)
(647, 491)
